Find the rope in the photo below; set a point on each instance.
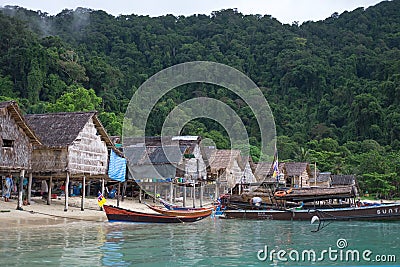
(63, 217)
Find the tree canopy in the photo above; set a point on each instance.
(333, 85)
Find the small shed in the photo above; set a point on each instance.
(16, 142)
(343, 180)
(264, 173)
(297, 174)
(74, 146)
(323, 180)
(16, 139)
(229, 168)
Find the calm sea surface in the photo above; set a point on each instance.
(211, 242)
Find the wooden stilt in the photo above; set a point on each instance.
(49, 191)
(184, 195)
(124, 190)
(194, 194)
(118, 193)
(201, 195)
(66, 192)
(171, 192)
(216, 189)
(83, 193)
(155, 192)
(30, 188)
(20, 189)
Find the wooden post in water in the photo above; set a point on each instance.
(155, 192)
(30, 188)
(83, 193)
(315, 173)
(184, 195)
(194, 194)
(216, 188)
(201, 194)
(118, 193)
(20, 188)
(66, 192)
(49, 191)
(171, 192)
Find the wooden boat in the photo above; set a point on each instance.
(375, 213)
(170, 206)
(165, 211)
(116, 214)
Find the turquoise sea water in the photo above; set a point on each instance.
(211, 242)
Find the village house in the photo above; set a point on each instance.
(228, 168)
(323, 180)
(167, 165)
(297, 174)
(16, 143)
(264, 173)
(75, 146)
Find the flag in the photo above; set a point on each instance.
(101, 200)
(275, 166)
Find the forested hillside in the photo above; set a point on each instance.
(333, 85)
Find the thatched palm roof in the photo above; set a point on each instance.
(296, 168)
(343, 180)
(59, 130)
(221, 159)
(322, 177)
(16, 114)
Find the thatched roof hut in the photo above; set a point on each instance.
(297, 174)
(342, 180)
(73, 142)
(264, 172)
(229, 167)
(16, 139)
(164, 157)
(323, 180)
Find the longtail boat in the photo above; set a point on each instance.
(116, 214)
(175, 207)
(165, 211)
(380, 212)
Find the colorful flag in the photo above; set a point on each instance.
(276, 165)
(101, 200)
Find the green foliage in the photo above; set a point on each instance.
(78, 99)
(333, 85)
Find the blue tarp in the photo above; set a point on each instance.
(117, 167)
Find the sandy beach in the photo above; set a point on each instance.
(38, 213)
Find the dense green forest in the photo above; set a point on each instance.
(333, 85)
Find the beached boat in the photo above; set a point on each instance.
(372, 212)
(116, 214)
(165, 211)
(170, 206)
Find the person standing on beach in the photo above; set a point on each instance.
(7, 188)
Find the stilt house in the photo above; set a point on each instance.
(75, 146)
(16, 140)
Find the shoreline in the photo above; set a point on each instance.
(39, 214)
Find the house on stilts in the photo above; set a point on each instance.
(16, 144)
(75, 147)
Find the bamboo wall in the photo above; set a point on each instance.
(88, 154)
(19, 156)
(46, 160)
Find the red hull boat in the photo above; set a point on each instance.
(116, 214)
(165, 211)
